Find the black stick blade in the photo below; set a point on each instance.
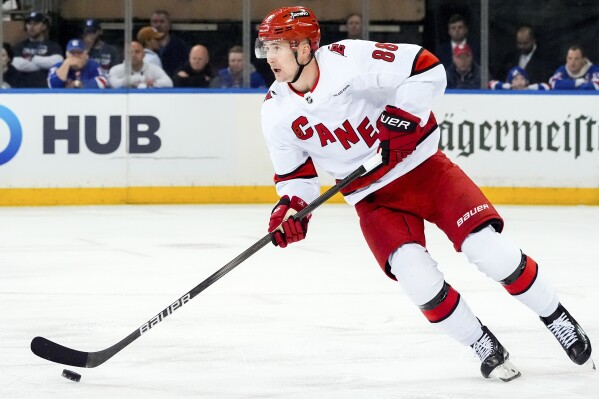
(54, 352)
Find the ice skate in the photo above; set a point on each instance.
(570, 336)
(494, 358)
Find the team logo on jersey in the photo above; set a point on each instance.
(337, 48)
(297, 14)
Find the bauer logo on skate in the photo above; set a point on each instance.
(162, 315)
(472, 212)
(15, 135)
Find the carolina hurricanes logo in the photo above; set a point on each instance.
(337, 48)
(268, 96)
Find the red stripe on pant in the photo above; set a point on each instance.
(525, 279)
(445, 308)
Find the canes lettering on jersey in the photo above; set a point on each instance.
(345, 134)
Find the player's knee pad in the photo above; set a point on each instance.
(416, 272)
(492, 253)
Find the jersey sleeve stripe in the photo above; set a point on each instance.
(304, 171)
(424, 61)
(430, 127)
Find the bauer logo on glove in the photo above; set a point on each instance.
(399, 134)
(398, 124)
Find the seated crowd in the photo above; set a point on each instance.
(158, 59)
(161, 59)
(527, 67)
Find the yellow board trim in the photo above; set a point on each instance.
(256, 195)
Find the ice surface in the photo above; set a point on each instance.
(318, 319)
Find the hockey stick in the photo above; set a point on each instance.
(54, 352)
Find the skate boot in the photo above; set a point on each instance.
(494, 358)
(570, 335)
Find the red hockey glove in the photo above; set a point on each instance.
(282, 224)
(396, 128)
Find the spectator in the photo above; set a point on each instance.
(196, 73)
(77, 71)
(457, 28)
(528, 56)
(578, 74)
(10, 76)
(143, 74)
(99, 51)
(150, 40)
(463, 73)
(517, 79)
(35, 55)
(232, 76)
(353, 23)
(173, 50)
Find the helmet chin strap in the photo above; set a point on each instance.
(301, 67)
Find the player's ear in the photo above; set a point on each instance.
(305, 47)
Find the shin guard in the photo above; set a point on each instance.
(522, 278)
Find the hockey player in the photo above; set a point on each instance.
(339, 105)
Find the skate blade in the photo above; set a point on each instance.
(505, 372)
(589, 365)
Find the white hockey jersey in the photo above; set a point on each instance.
(334, 124)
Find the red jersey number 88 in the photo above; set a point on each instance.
(384, 55)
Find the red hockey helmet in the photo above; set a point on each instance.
(292, 24)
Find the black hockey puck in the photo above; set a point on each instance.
(71, 375)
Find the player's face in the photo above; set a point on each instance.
(281, 60)
(575, 61)
(236, 62)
